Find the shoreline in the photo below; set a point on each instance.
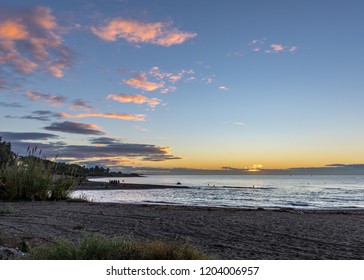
(226, 233)
(94, 185)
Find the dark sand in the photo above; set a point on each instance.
(224, 233)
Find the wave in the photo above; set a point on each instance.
(300, 204)
(250, 188)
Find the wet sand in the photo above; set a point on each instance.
(225, 233)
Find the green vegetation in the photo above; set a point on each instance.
(99, 247)
(30, 177)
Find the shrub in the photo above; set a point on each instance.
(98, 247)
(61, 188)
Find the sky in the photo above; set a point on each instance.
(161, 86)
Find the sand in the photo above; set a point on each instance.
(223, 232)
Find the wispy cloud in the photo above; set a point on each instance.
(11, 104)
(134, 98)
(159, 79)
(169, 79)
(241, 124)
(133, 31)
(75, 127)
(224, 88)
(136, 117)
(208, 79)
(292, 49)
(261, 45)
(80, 104)
(30, 40)
(140, 128)
(47, 98)
(168, 76)
(265, 46)
(257, 44)
(277, 48)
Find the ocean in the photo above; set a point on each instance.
(253, 191)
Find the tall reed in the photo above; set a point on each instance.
(30, 179)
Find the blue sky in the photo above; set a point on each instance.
(154, 85)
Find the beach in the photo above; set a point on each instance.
(225, 233)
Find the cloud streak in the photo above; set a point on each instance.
(75, 127)
(133, 31)
(42, 115)
(24, 136)
(11, 105)
(134, 98)
(136, 117)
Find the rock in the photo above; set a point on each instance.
(9, 253)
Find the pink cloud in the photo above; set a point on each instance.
(165, 81)
(260, 45)
(160, 75)
(10, 56)
(30, 39)
(134, 31)
(13, 30)
(140, 82)
(277, 47)
(136, 117)
(134, 98)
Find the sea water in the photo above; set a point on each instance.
(253, 191)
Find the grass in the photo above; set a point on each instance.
(7, 209)
(81, 198)
(99, 247)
